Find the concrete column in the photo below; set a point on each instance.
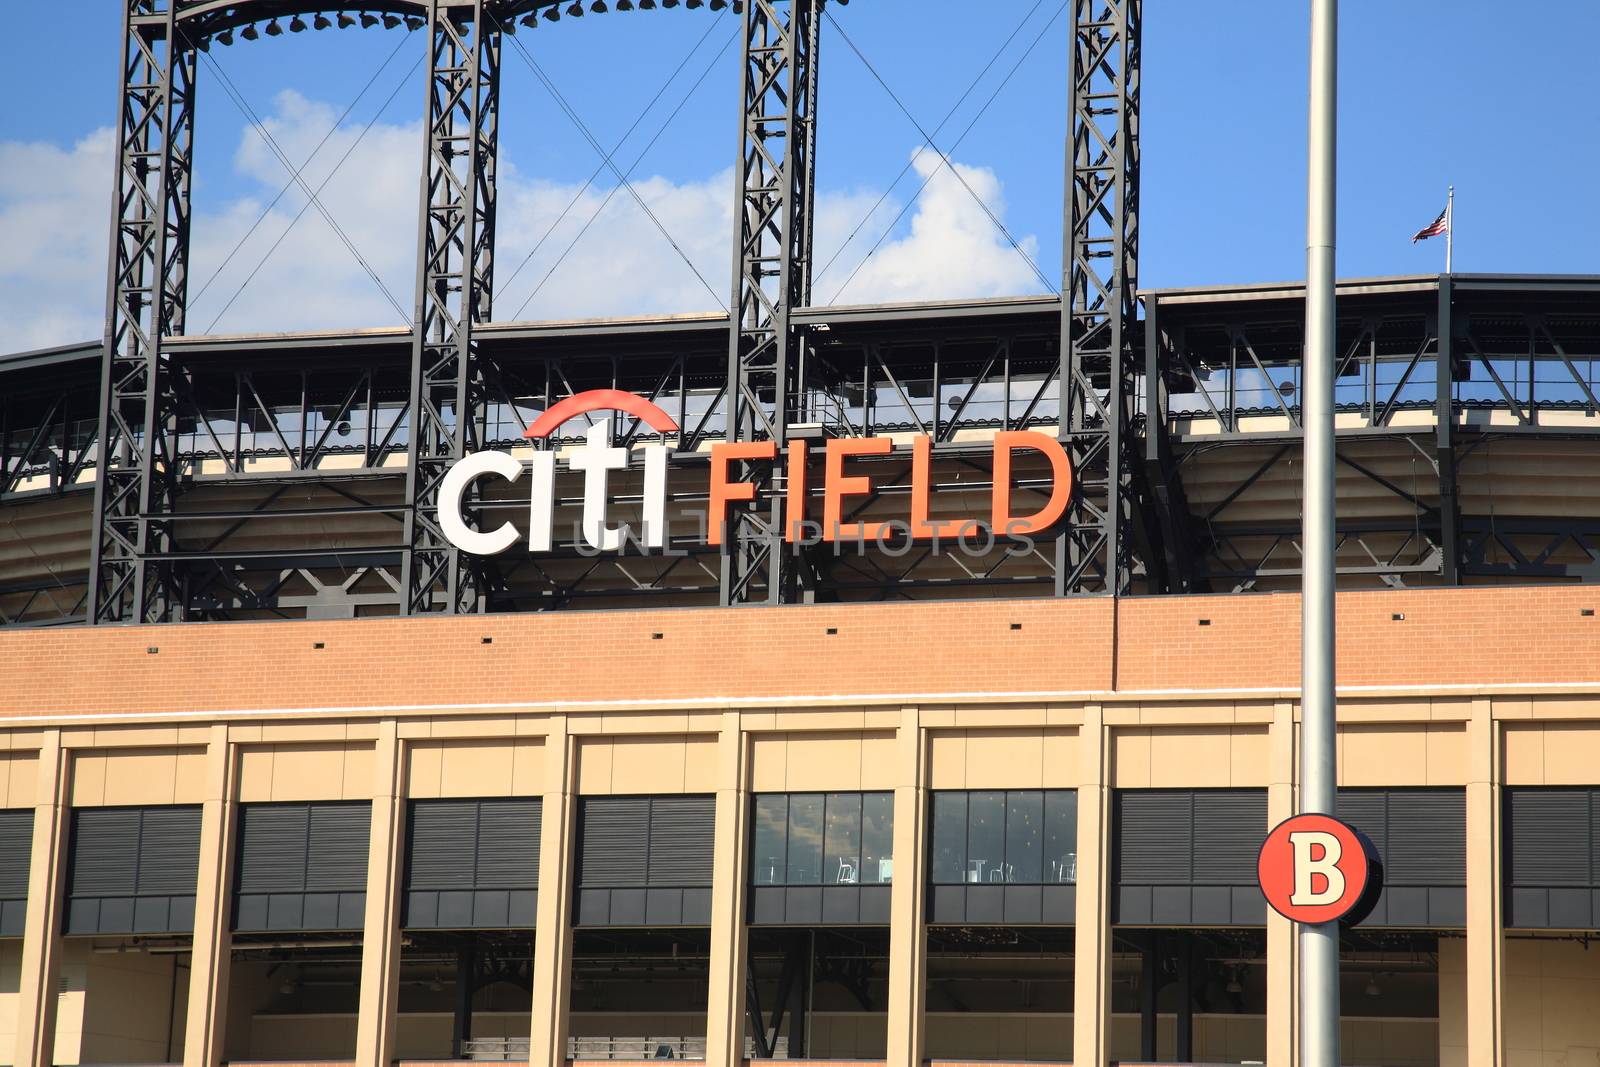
(552, 937)
(729, 932)
(378, 1021)
(1091, 976)
(908, 929)
(1485, 942)
(206, 1028)
(41, 937)
(1282, 971)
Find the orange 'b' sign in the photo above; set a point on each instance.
(1313, 869)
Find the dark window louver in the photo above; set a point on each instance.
(16, 852)
(508, 843)
(615, 841)
(1420, 834)
(169, 851)
(1594, 823)
(473, 844)
(1228, 830)
(297, 848)
(105, 853)
(646, 841)
(1187, 856)
(682, 832)
(132, 870)
(272, 844)
(126, 852)
(441, 852)
(1551, 858)
(1155, 844)
(1550, 838)
(336, 854)
(1368, 811)
(1428, 838)
(1189, 837)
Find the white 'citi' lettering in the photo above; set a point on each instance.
(454, 487)
(1327, 865)
(596, 459)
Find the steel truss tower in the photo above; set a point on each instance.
(1099, 307)
(130, 579)
(772, 278)
(140, 572)
(454, 288)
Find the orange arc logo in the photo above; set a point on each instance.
(600, 400)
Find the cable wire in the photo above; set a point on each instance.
(615, 149)
(957, 143)
(577, 121)
(348, 152)
(944, 157)
(299, 170)
(631, 167)
(856, 230)
(266, 135)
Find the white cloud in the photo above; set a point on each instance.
(952, 248)
(622, 265)
(55, 203)
(55, 218)
(312, 280)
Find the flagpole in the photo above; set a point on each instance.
(1449, 229)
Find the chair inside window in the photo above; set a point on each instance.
(847, 873)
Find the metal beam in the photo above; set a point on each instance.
(1175, 569)
(771, 278)
(146, 294)
(1444, 412)
(1099, 308)
(454, 286)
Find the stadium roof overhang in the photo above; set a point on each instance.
(203, 18)
(710, 328)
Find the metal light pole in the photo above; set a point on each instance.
(1319, 944)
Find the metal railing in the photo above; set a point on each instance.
(636, 1048)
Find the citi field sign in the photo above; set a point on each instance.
(597, 458)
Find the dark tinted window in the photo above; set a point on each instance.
(769, 845)
(822, 839)
(877, 838)
(805, 840)
(1018, 837)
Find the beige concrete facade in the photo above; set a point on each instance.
(1516, 1001)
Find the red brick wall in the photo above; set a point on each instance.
(1485, 636)
(1534, 635)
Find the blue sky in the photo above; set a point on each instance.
(1431, 93)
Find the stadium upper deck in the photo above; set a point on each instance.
(1466, 460)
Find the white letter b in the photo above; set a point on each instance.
(1305, 868)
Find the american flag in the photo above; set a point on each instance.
(1434, 228)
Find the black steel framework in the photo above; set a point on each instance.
(1100, 306)
(145, 303)
(454, 293)
(772, 275)
(246, 478)
(1458, 395)
(143, 571)
(1437, 377)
